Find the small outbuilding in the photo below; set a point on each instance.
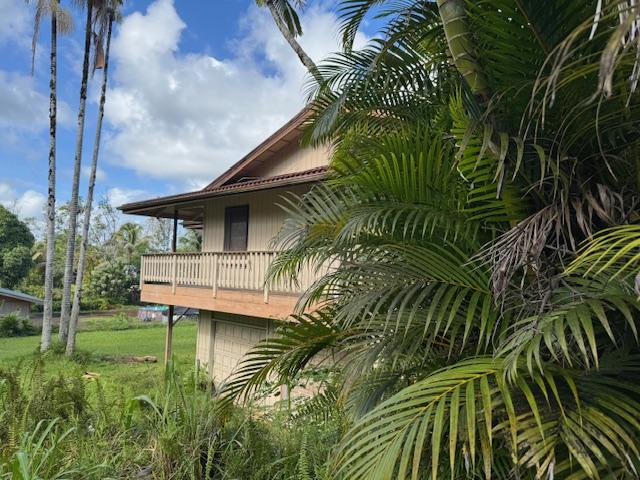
(12, 301)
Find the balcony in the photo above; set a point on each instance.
(232, 282)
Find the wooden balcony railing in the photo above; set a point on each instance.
(220, 270)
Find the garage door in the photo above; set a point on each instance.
(231, 341)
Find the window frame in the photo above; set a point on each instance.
(228, 212)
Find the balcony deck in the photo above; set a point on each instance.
(232, 282)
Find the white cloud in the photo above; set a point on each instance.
(187, 117)
(14, 21)
(119, 196)
(101, 175)
(28, 204)
(22, 105)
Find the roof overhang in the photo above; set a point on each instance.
(15, 295)
(189, 207)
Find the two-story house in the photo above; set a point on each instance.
(239, 215)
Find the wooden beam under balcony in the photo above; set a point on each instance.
(240, 302)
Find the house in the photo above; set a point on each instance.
(19, 303)
(239, 215)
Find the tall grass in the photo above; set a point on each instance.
(70, 427)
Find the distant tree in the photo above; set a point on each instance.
(159, 231)
(104, 222)
(191, 241)
(113, 280)
(16, 241)
(128, 236)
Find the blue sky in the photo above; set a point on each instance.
(194, 85)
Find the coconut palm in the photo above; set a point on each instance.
(130, 239)
(286, 19)
(106, 11)
(61, 22)
(476, 149)
(75, 182)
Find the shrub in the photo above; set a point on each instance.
(12, 325)
(91, 302)
(38, 291)
(113, 281)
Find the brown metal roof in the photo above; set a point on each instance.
(153, 207)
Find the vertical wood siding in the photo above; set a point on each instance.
(204, 342)
(265, 217)
(293, 159)
(224, 339)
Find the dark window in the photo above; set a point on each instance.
(236, 228)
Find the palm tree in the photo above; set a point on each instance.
(288, 22)
(75, 186)
(105, 13)
(130, 238)
(60, 22)
(476, 150)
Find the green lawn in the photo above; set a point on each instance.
(115, 375)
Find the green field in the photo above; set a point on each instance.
(104, 352)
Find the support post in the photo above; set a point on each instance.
(174, 239)
(168, 344)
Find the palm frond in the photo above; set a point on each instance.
(281, 357)
(463, 409)
(580, 321)
(615, 251)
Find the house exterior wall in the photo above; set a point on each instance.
(12, 305)
(293, 159)
(223, 339)
(265, 217)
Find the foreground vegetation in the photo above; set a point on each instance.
(66, 426)
(96, 415)
(482, 218)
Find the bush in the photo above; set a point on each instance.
(88, 302)
(113, 281)
(12, 325)
(91, 302)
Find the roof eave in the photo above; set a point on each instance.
(193, 198)
(24, 297)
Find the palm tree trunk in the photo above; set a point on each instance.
(73, 204)
(75, 311)
(293, 43)
(453, 15)
(47, 316)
